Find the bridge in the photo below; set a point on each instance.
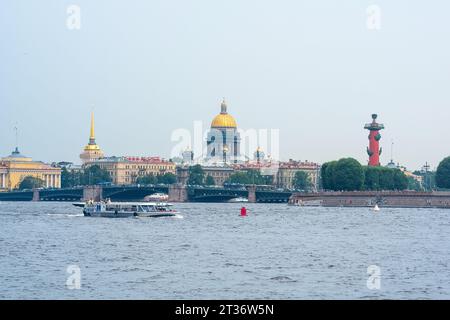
(177, 193)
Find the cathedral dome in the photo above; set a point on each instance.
(223, 120)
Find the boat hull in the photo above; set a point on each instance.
(155, 214)
(109, 214)
(129, 214)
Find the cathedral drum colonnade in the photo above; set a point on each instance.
(223, 141)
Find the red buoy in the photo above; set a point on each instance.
(243, 212)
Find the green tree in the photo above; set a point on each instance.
(302, 181)
(348, 175)
(255, 177)
(382, 178)
(372, 178)
(71, 178)
(387, 179)
(443, 174)
(323, 178)
(95, 175)
(327, 174)
(239, 178)
(66, 178)
(196, 175)
(30, 182)
(147, 179)
(415, 185)
(209, 181)
(428, 179)
(167, 178)
(400, 180)
(249, 177)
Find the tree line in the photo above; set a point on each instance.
(198, 176)
(345, 174)
(89, 176)
(96, 175)
(348, 174)
(442, 176)
(166, 178)
(249, 177)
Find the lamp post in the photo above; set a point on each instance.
(427, 183)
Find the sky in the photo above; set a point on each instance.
(312, 69)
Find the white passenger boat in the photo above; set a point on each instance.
(157, 197)
(238, 200)
(128, 209)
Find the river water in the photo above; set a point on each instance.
(276, 252)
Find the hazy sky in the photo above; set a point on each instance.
(309, 68)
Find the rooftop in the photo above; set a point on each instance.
(143, 160)
(17, 156)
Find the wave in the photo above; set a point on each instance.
(69, 215)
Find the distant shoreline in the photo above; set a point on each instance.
(387, 199)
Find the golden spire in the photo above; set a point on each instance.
(92, 144)
(92, 136)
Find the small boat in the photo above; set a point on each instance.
(376, 208)
(128, 209)
(79, 204)
(307, 203)
(238, 200)
(157, 197)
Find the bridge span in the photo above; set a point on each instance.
(177, 193)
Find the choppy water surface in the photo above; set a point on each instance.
(277, 252)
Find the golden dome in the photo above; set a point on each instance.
(223, 120)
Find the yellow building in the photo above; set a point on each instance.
(285, 175)
(15, 167)
(125, 170)
(92, 151)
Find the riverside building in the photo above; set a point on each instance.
(126, 170)
(16, 167)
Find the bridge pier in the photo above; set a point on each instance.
(36, 195)
(177, 193)
(251, 193)
(94, 193)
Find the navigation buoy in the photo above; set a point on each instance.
(243, 212)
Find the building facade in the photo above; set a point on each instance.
(223, 140)
(284, 177)
(92, 151)
(15, 167)
(125, 170)
(187, 156)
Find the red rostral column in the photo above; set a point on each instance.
(374, 150)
